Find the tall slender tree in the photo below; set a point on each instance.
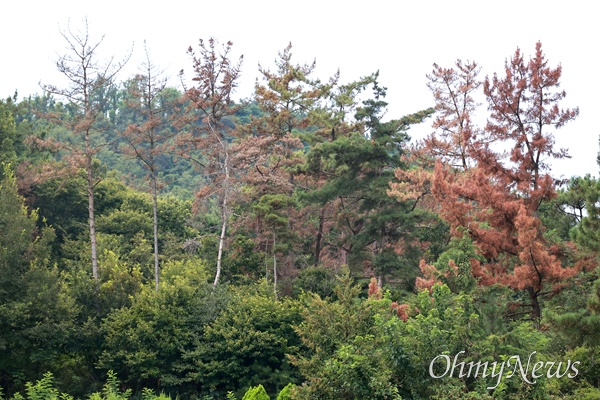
(150, 136)
(270, 152)
(524, 106)
(87, 78)
(210, 108)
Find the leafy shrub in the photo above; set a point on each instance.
(256, 393)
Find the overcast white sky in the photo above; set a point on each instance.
(401, 39)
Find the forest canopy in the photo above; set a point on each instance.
(178, 242)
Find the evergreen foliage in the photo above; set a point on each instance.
(256, 393)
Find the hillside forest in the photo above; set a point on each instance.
(183, 241)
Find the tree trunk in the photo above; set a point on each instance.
(536, 311)
(274, 268)
(92, 219)
(343, 252)
(221, 241)
(155, 222)
(224, 216)
(319, 236)
(266, 264)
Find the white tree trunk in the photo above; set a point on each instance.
(224, 216)
(221, 244)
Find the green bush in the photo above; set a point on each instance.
(42, 390)
(286, 392)
(256, 393)
(111, 391)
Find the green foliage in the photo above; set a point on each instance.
(445, 324)
(286, 392)
(119, 282)
(558, 215)
(328, 324)
(437, 236)
(146, 341)
(21, 241)
(273, 210)
(111, 390)
(585, 384)
(256, 393)
(456, 390)
(358, 371)
(585, 190)
(63, 204)
(454, 264)
(358, 349)
(242, 264)
(345, 359)
(359, 165)
(574, 318)
(131, 226)
(575, 313)
(8, 131)
(124, 225)
(148, 394)
(43, 389)
(318, 280)
(448, 323)
(248, 343)
(36, 312)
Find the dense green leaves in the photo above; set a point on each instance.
(146, 340)
(36, 312)
(8, 131)
(256, 393)
(248, 343)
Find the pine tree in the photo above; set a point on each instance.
(150, 136)
(88, 80)
(208, 121)
(494, 197)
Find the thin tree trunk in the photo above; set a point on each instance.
(224, 215)
(319, 237)
(343, 250)
(155, 212)
(266, 265)
(380, 277)
(221, 243)
(536, 311)
(92, 219)
(274, 268)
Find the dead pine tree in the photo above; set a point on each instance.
(88, 79)
(151, 134)
(207, 126)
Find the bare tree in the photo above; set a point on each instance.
(87, 80)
